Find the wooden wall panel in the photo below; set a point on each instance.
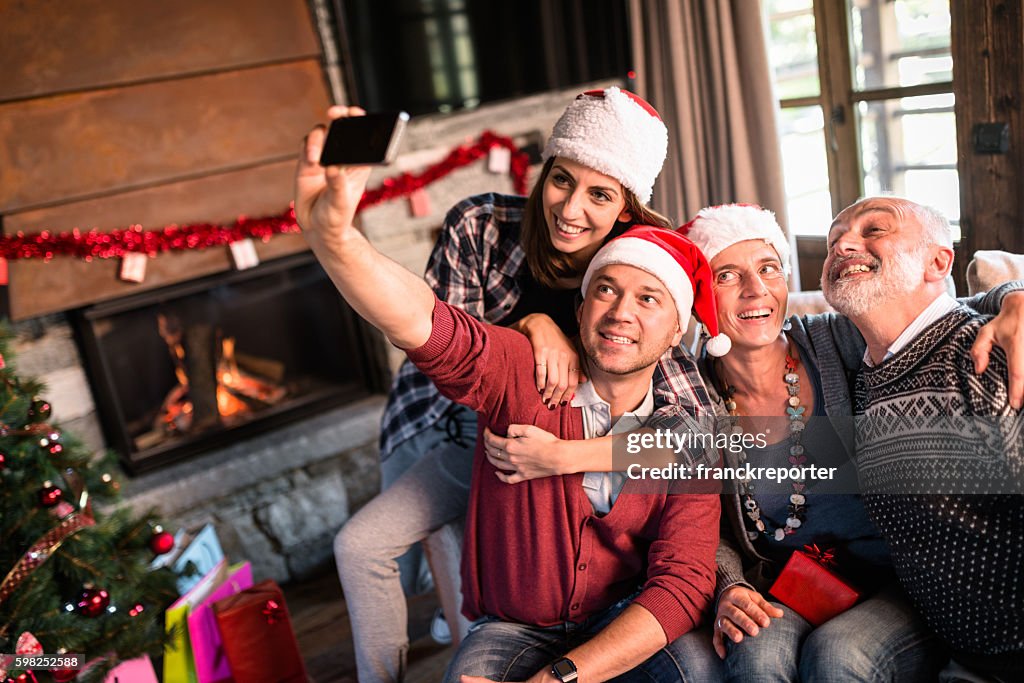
(37, 287)
(52, 46)
(988, 51)
(75, 146)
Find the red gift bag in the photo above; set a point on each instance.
(258, 638)
(808, 587)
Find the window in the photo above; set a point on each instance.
(426, 56)
(867, 110)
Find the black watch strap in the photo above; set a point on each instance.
(564, 669)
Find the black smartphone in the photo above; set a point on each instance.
(364, 140)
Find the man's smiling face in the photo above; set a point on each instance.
(877, 253)
(627, 321)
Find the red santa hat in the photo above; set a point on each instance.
(681, 267)
(716, 228)
(615, 132)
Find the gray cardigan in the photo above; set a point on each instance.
(834, 344)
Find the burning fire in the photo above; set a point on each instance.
(228, 377)
(239, 393)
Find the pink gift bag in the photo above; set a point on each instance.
(207, 646)
(139, 670)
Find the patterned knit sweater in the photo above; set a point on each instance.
(928, 425)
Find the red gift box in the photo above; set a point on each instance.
(808, 587)
(258, 638)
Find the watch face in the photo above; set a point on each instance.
(563, 667)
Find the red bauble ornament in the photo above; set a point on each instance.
(49, 495)
(3, 462)
(39, 411)
(92, 602)
(137, 610)
(161, 541)
(64, 675)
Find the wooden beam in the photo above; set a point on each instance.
(74, 147)
(56, 46)
(988, 82)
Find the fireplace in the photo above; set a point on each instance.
(185, 369)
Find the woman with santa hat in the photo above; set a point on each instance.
(774, 383)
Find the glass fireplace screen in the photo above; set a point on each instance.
(191, 367)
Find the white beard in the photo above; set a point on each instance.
(899, 276)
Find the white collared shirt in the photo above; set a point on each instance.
(602, 488)
(942, 305)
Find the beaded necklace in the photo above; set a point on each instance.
(798, 499)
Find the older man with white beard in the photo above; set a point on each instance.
(947, 496)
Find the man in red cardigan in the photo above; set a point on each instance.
(568, 577)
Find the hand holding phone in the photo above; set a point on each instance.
(369, 140)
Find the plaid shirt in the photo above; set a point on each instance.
(477, 265)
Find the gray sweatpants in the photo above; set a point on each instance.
(431, 493)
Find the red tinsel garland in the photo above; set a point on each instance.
(92, 244)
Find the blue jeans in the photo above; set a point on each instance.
(696, 657)
(881, 639)
(506, 651)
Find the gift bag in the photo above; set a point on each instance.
(211, 664)
(809, 587)
(258, 638)
(138, 670)
(199, 548)
(179, 665)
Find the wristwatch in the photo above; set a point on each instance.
(564, 670)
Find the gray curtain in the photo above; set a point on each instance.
(703, 64)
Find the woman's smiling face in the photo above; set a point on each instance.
(751, 293)
(581, 206)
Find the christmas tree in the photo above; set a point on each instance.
(74, 567)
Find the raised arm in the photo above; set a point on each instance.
(1006, 331)
(392, 299)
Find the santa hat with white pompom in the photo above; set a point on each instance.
(681, 267)
(716, 228)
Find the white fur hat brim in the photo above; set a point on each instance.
(615, 135)
(649, 257)
(716, 228)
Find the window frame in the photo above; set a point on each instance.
(838, 99)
